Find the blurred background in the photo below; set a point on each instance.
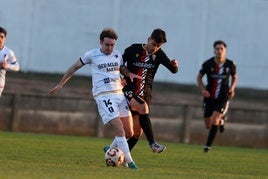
(49, 35)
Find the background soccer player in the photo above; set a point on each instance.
(8, 60)
(218, 91)
(144, 60)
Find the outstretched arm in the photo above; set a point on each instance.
(69, 73)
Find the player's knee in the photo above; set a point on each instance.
(143, 109)
(129, 134)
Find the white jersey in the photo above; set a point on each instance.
(7, 55)
(105, 70)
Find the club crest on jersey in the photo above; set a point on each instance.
(211, 69)
(227, 70)
(137, 55)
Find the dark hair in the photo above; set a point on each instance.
(159, 36)
(108, 32)
(219, 42)
(2, 30)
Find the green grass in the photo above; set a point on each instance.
(53, 156)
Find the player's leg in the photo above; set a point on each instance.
(216, 116)
(137, 131)
(224, 118)
(120, 138)
(128, 126)
(110, 109)
(207, 108)
(139, 105)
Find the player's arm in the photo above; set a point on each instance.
(125, 72)
(10, 62)
(175, 64)
(171, 65)
(201, 85)
(69, 73)
(233, 85)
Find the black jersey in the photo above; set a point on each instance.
(142, 64)
(218, 77)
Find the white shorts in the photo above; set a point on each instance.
(112, 105)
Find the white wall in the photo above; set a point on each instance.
(49, 35)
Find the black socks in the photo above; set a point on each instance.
(146, 125)
(211, 135)
(132, 141)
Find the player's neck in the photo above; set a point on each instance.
(145, 47)
(220, 60)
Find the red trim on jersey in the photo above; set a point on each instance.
(138, 89)
(215, 81)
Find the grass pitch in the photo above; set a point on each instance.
(52, 156)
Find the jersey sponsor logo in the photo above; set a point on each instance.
(217, 76)
(106, 80)
(113, 66)
(143, 65)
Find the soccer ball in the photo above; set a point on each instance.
(114, 157)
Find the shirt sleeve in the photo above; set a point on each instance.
(86, 58)
(203, 69)
(13, 64)
(166, 62)
(233, 71)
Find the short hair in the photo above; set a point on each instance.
(159, 36)
(2, 30)
(219, 42)
(108, 32)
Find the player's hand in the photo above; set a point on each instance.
(205, 93)
(132, 76)
(4, 64)
(123, 82)
(231, 94)
(55, 90)
(174, 63)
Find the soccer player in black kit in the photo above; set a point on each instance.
(144, 60)
(218, 90)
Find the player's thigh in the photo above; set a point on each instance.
(139, 105)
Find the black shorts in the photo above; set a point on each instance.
(210, 105)
(129, 94)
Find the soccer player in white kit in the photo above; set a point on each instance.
(112, 105)
(8, 60)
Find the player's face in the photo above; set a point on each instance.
(219, 51)
(152, 46)
(107, 45)
(2, 40)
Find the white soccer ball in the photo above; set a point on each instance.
(114, 157)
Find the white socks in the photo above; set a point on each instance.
(123, 145)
